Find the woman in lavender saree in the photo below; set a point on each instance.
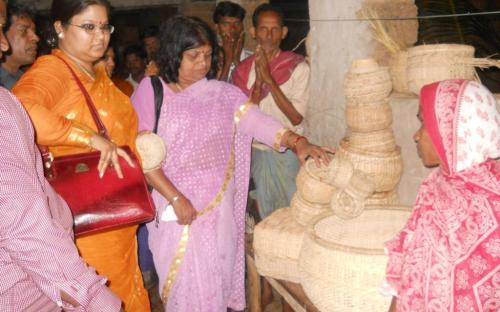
(208, 127)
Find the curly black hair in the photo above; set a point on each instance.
(181, 33)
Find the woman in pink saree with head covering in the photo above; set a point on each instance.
(447, 258)
(208, 127)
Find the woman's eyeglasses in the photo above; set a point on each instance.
(91, 29)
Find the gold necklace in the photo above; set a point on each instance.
(80, 66)
(178, 86)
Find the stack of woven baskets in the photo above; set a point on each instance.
(320, 189)
(371, 146)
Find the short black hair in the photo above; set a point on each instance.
(181, 33)
(229, 9)
(15, 8)
(151, 31)
(136, 49)
(266, 7)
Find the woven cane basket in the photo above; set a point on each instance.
(342, 262)
(340, 172)
(398, 65)
(373, 86)
(311, 183)
(349, 202)
(277, 241)
(368, 117)
(383, 198)
(435, 62)
(375, 141)
(303, 212)
(384, 169)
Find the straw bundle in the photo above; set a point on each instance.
(277, 242)
(435, 62)
(349, 202)
(375, 141)
(384, 169)
(303, 212)
(342, 262)
(311, 183)
(369, 117)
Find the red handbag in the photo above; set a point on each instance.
(99, 204)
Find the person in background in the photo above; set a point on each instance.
(151, 44)
(21, 33)
(63, 122)
(109, 62)
(207, 126)
(40, 268)
(278, 81)
(228, 18)
(447, 257)
(135, 62)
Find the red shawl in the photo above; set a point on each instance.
(282, 67)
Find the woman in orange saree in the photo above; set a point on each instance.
(63, 122)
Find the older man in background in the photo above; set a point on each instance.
(21, 33)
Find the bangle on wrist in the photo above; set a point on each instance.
(175, 198)
(293, 146)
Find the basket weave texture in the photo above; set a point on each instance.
(303, 212)
(384, 169)
(375, 141)
(342, 262)
(277, 242)
(435, 62)
(369, 117)
(312, 183)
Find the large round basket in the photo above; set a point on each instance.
(311, 183)
(303, 212)
(383, 168)
(277, 241)
(435, 62)
(369, 117)
(398, 65)
(342, 262)
(375, 141)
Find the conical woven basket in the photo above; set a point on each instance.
(384, 169)
(312, 185)
(349, 202)
(303, 212)
(368, 117)
(375, 141)
(342, 262)
(434, 62)
(277, 241)
(398, 66)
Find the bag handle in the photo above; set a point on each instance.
(93, 111)
(158, 95)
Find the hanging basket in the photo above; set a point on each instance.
(369, 117)
(342, 262)
(303, 212)
(375, 141)
(277, 241)
(312, 183)
(383, 168)
(436, 62)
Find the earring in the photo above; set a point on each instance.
(60, 35)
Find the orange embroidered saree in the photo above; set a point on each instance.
(63, 122)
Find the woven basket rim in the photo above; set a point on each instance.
(452, 47)
(346, 146)
(342, 247)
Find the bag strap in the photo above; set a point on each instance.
(93, 111)
(158, 95)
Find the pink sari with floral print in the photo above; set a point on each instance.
(447, 258)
